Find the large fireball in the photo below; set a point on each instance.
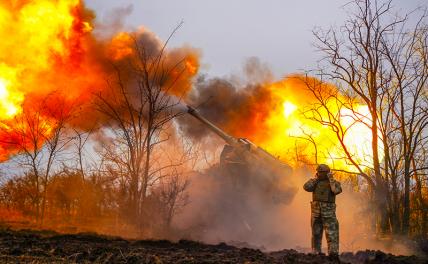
(51, 64)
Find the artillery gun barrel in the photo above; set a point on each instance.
(269, 169)
(229, 139)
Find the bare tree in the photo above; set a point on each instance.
(55, 143)
(379, 60)
(172, 196)
(406, 52)
(355, 62)
(140, 108)
(37, 136)
(80, 140)
(328, 110)
(28, 139)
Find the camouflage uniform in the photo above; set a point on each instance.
(323, 212)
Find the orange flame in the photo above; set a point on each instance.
(273, 119)
(48, 50)
(42, 46)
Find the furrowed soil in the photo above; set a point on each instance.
(27, 246)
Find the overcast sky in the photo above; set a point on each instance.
(229, 31)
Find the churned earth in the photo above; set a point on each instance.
(27, 246)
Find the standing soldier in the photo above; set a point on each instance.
(324, 189)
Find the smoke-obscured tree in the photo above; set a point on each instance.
(20, 194)
(172, 195)
(140, 108)
(78, 201)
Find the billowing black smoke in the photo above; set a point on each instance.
(231, 103)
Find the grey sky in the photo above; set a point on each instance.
(229, 31)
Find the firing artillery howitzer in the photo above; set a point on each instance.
(263, 172)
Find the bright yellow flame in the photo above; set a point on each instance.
(291, 133)
(44, 51)
(358, 138)
(33, 35)
(40, 28)
(10, 98)
(7, 109)
(289, 108)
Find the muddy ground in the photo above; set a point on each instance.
(27, 246)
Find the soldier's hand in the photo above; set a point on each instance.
(330, 176)
(315, 178)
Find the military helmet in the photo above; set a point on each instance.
(323, 168)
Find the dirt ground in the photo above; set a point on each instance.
(27, 246)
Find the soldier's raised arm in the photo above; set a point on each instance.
(335, 186)
(310, 185)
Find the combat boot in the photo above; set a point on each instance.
(334, 257)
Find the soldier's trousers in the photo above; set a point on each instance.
(323, 217)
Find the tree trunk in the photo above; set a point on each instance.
(380, 190)
(395, 206)
(406, 198)
(421, 202)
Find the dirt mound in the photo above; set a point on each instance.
(51, 247)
